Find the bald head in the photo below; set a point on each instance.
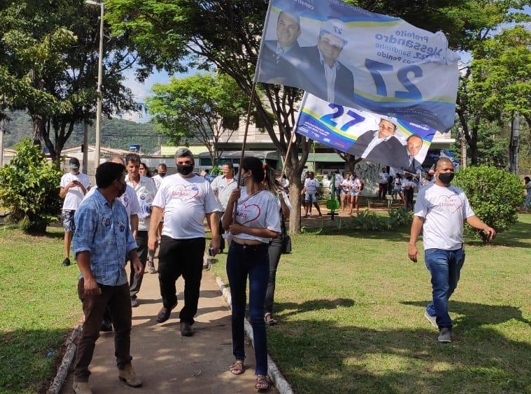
(443, 162)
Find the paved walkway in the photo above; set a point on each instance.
(167, 362)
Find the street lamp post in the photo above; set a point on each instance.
(98, 89)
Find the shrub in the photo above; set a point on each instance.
(494, 194)
(29, 188)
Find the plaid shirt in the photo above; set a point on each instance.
(103, 230)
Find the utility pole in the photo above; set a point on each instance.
(513, 146)
(85, 147)
(462, 140)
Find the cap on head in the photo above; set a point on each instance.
(73, 163)
(336, 28)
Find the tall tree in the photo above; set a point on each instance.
(496, 85)
(49, 56)
(175, 33)
(203, 107)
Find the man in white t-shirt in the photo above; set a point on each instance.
(440, 212)
(74, 186)
(311, 186)
(383, 181)
(145, 192)
(222, 187)
(161, 173)
(184, 199)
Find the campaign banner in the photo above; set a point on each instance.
(352, 57)
(396, 143)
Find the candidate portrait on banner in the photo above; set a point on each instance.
(352, 57)
(381, 145)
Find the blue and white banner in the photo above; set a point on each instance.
(389, 141)
(352, 57)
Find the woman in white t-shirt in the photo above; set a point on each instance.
(355, 188)
(256, 222)
(345, 192)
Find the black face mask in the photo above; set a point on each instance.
(122, 189)
(446, 177)
(185, 169)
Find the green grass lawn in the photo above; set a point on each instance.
(350, 310)
(38, 308)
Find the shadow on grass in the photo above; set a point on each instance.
(319, 356)
(474, 315)
(313, 305)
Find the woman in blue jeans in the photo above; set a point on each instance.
(275, 252)
(255, 222)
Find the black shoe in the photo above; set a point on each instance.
(164, 314)
(134, 302)
(106, 326)
(66, 262)
(186, 329)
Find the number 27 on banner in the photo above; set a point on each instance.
(411, 92)
(339, 112)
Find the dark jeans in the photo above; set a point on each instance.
(445, 269)
(408, 195)
(253, 262)
(221, 239)
(275, 251)
(181, 257)
(119, 302)
(135, 281)
(382, 190)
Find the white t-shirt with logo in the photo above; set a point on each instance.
(260, 210)
(75, 194)
(185, 202)
(145, 192)
(128, 199)
(311, 185)
(444, 210)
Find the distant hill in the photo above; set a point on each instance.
(116, 133)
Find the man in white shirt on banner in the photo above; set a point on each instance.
(185, 199)
(440, 212)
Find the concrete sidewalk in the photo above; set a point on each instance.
(167, 362)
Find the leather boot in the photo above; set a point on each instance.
(128, 376)
(81, 388)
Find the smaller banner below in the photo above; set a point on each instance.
(371, 136)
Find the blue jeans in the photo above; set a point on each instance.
(445, 268)
(251, 261)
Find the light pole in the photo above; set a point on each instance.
(98, 89)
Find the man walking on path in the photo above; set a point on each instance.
(440, 211)
(184, 199)
(101, 245)
(145, 193)
(222, 187)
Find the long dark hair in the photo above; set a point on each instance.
(262, 173)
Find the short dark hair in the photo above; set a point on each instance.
(228, 164)
(107, 173)
(132, 158)
(162, 165)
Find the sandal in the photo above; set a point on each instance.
(237, 367)
(262, 383)
(269, 320)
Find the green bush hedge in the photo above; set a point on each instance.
(494, 194)
(29, 188)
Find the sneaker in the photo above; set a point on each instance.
(134, 302)
(445, 335)
(431, 319)
(106, 326)
(151, 267)
(66, 262)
